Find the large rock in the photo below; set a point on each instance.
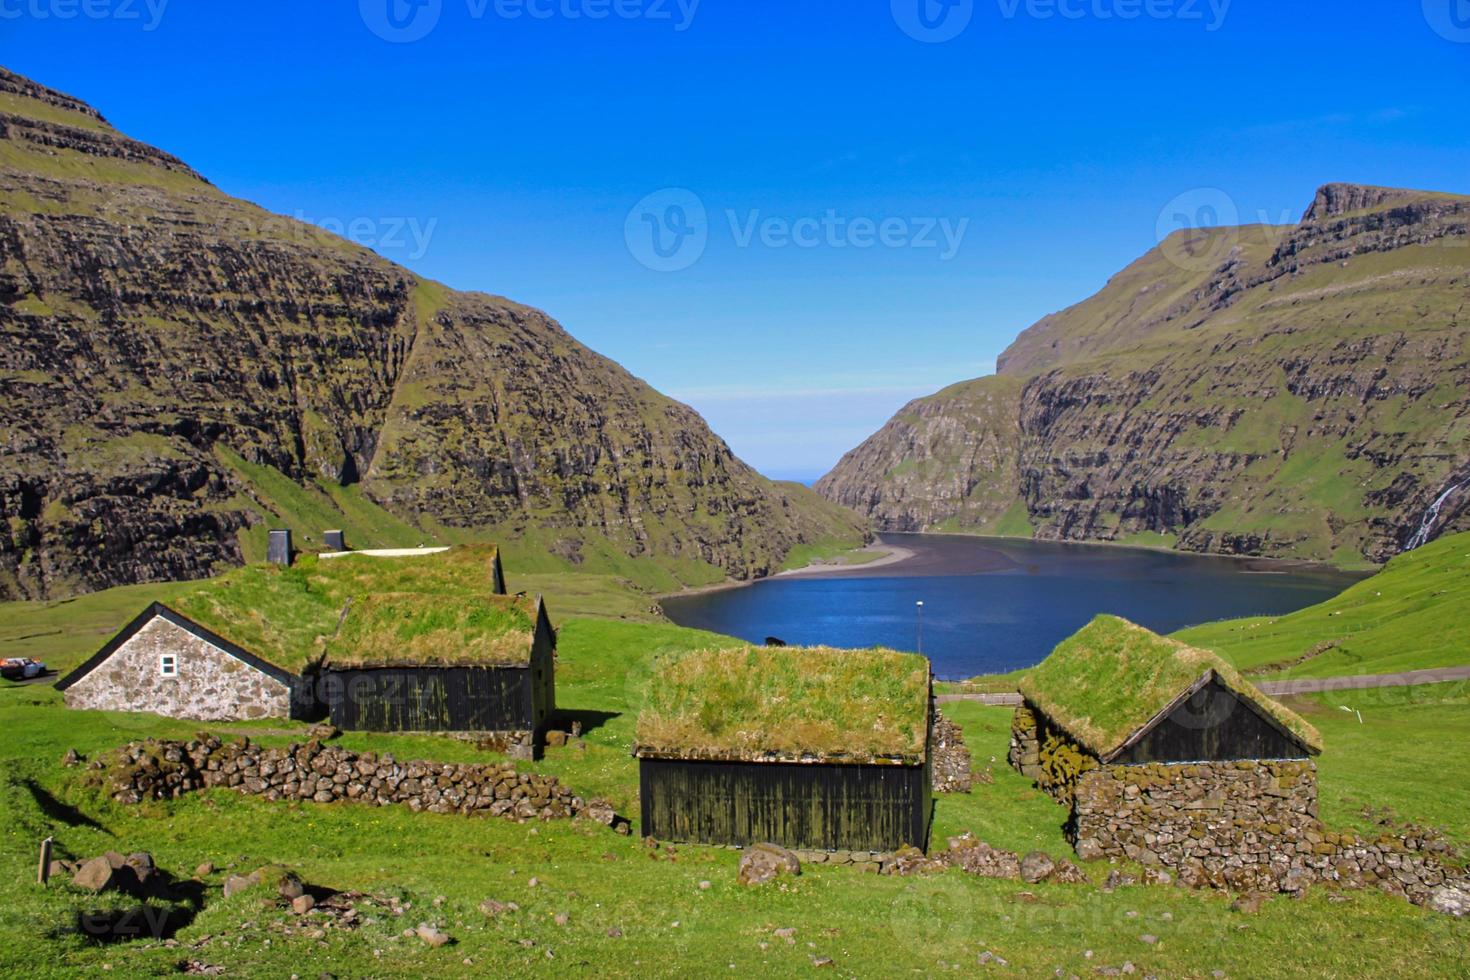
(762, 863)
(1037, 866)
(95, 875)
(1450, 901)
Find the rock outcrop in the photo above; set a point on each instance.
(177, 366)
(1280, 391)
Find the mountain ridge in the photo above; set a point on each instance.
(181, 369)
(1288, 391)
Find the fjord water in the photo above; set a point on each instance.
(993, 605)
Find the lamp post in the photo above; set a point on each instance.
(919, 607)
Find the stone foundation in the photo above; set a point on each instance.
(1245, 826)
(949, 757)
(159, 770)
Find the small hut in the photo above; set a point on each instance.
(1160, 748)
(432, 663)
(249, 644)
(166, 663)
(816, 749)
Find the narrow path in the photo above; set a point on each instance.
(1305, 685)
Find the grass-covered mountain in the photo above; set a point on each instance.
(180, 369)
(1287, 391)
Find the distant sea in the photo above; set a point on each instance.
(994, 605)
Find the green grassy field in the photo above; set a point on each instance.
(1414, 614)
(868, 925)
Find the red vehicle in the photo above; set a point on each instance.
(21, 669)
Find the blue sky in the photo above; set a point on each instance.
(857, 204)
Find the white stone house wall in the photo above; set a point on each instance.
(209, 685)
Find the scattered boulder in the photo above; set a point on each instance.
(910, 860)
(95, 875)
(204, 870)
(556, 739)
(1250, 903)
(433, 936)
(1068, 873)
(1037, 866)
(72, 758)
(762, 863)
(976, 857)
(323, 732)
(302, 904)
(1450, 901)
(235, 884)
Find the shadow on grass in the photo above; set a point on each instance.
(57, 810)
(590, 720)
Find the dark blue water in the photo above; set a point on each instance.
(994, 605)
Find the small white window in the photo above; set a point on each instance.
(168, 665)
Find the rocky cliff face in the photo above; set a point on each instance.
(168, 351)
(1297, 392)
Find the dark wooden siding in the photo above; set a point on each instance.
(543, 669)
(830, 807)
(425, 699)
(1214, 725)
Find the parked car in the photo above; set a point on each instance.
(21, 668)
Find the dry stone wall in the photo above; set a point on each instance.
(1247, 826)
(950, 757)
(210, 684)
(159, 770)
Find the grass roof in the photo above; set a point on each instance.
(287, 615)
(790, 703)
(398, 629)
(1112, 678)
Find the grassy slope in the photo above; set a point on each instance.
(871, 926)
(1414, 614)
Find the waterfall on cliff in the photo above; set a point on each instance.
(1431, 517)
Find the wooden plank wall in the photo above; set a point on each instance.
(817, 807)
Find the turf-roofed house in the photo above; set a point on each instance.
(1165, 754)
(815, 749)
(405, 662)
(250, 643)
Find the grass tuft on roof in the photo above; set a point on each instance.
(789, 702)
(287, 615)
(1111, 678)
(411, 630)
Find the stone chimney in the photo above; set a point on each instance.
(279, 550)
